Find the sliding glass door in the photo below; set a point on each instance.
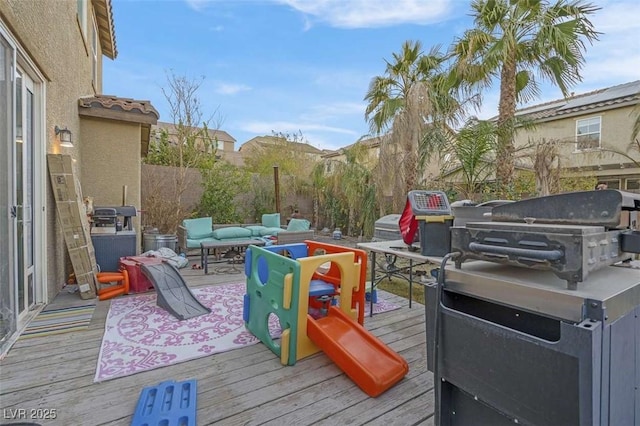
(22, 146)
(8, 314)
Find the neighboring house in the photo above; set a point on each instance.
(224, 142)
(330, 158)
(51, 56)
(591, 127)
(260, 142)
(375, 145)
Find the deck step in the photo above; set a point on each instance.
(168, 403)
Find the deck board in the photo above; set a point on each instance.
(247, 386)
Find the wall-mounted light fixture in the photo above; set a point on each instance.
(65, 137)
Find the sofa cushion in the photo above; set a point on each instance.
(231, 233)
(201, 227)
(271, 220)
(271, 231)
(256, 230)
(298, 225)
(196, 243)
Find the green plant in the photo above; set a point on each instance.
(222, 184)
(473, 149)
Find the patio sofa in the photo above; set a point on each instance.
(192, 232)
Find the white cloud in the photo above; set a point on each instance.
(617, 17)
(197, 5)
(615, 58)
(231, 89)
(347, 78)
(324, 112)
(217, 28)
(370, 13)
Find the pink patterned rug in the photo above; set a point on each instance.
(140, 336)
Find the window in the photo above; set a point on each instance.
(220, 145)
(82, 15)
(588, 134)
(633, 184)
(328, 167)
(94, 55)
(611, 183)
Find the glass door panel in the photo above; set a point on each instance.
(7, 294)
(24, 191)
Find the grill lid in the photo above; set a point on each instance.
(597, 208)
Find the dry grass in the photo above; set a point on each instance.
(401, 288)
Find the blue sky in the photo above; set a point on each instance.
(305, 65)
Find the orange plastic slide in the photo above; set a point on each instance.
(371, 364)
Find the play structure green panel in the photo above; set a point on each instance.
(273, 288)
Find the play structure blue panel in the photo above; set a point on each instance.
(320, 288)
(168, 404)
(172, 292)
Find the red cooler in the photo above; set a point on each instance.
(138, 282)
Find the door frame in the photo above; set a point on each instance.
(39, 206)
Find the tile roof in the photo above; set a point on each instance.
(221, 135)
(271, 140)
(116, 104)
(606, 98)
(370, 142)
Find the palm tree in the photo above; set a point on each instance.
(512, 41)
(409, 100)
(635, 131)
(473, 147)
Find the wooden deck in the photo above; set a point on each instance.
(242, 387)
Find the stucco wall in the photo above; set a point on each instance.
(50, 34)
(616, 126)
(110, 161)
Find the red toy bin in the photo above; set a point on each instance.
(138, 282)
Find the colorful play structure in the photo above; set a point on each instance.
(289, 281)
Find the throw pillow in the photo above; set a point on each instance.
(271, 220)
(298, 225)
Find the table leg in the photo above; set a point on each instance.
(410, 282)
(373, 281)
(206, 261)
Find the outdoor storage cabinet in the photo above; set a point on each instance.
(514, 345)
(110, 248)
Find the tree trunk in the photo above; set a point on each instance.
(506, 113)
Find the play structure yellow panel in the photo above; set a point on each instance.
(349, 278)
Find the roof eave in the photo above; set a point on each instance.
(106, 32)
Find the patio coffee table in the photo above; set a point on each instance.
(217, 247)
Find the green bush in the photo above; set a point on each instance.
(222, 184)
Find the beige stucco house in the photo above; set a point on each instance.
(371, 145)
(225, 143)
(374, 146)
(594, 130)
(259, 142)
(51, 55)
